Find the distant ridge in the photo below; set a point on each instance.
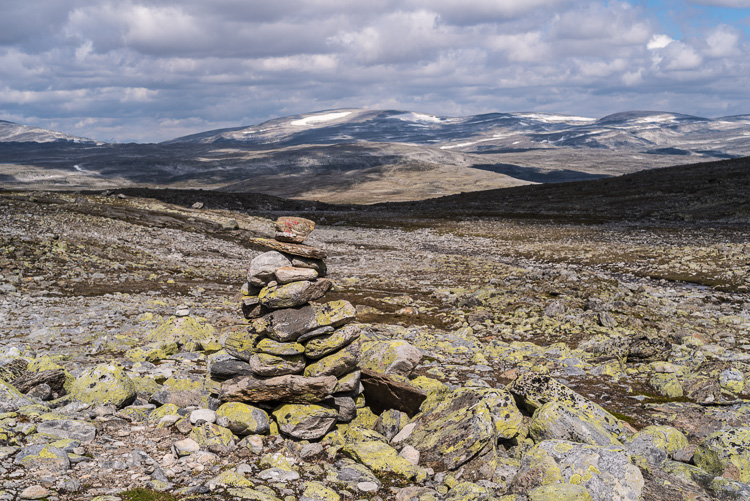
(11, 132)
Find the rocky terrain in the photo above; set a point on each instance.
(533, 356)
(370, 156)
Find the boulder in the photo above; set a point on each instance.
(289, 324)
(557, 420)
(390, 357)
(607, 473)
(305, 421)
(104, 385)
(726, 453)
(293, 294)
(293, 229)
(535, 390)
(243, 419)
(326, 344)
(289, 388)
(454, 430)
(263, 267)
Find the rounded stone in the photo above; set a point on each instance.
(243, 419)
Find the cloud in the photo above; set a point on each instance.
(151, 70)
(737, 4)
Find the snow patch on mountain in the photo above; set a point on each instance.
(314, 119)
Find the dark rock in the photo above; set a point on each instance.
(645, 347)
(227, 369)
(383, 393)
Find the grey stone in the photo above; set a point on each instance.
(68, 428)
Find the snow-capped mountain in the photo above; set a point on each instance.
(356, 155)
(642, 131)
(16, 133)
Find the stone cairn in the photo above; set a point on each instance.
(297, 359)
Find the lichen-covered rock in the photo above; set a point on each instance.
(190, 334)
(732, 381)
(656, 443)
(315, 491)
(289, 388)
(43, 456)
(10, 398)
(263, 267)
(293, 294)
(289, 324)
(305, 421)
(243, 419)
(535, 390)
(165, 410)
(321, 346)
(559, 492)
(337, 364)
(468, 491)
(104, 385)
(382, 458)
(457, 428)
(348, 383)
(152, 352)
(348, 472)
(666, 384)
(606, 472)
(557, 420)
(390, 422)
(242, 343)
(271, 347)
(213, 437)
(390, 357)
(263, 364)
(72, 429)
(726, 453)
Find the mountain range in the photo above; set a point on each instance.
(366, 156)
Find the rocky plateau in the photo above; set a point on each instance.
(586, 341)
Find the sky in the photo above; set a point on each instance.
(151, 70)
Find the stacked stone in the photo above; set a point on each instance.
(298, 358)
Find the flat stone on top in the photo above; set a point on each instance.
(289, 248)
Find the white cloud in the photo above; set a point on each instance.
(659, 41)
(197, 65)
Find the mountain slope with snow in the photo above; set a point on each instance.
(11, 132)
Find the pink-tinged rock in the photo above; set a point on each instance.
(293, 229)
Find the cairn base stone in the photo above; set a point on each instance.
(290, 388)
